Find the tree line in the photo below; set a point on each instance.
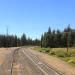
(51, 38)
(56, 38)
(14, 41)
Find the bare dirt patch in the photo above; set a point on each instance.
(4, 52)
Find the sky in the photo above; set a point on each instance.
(33, 17)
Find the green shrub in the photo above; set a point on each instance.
(47, 50)
(67, 54)
(72, 61)
(72, 54)
(61, 55)
(40, 50)
(52, 53)
(66, 59)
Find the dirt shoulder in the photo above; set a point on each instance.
(4, 52)
(56, 63)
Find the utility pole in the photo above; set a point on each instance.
(7, 30)
(7, 44)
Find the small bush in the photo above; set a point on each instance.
(72, 61)
(61, 55)
(72, 54)
(47, 50)
(52, 53)
(67, 54)
(40, 50)
(66, 59)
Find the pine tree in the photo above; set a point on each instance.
(23, 40)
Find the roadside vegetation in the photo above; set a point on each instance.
(61, 53)
(60, 44)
